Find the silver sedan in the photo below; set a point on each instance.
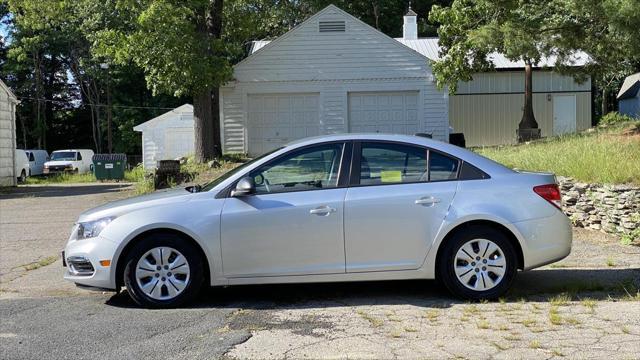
(333, 208)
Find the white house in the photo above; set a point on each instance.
(333, 74)
(8, 102)
(629, 96)
(167, 136)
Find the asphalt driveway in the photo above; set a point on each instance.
(586, 306)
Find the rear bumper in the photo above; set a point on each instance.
(92, 251)
(545, 240)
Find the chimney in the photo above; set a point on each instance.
(410, 27)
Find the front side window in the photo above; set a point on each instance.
(79, 156)
(387, 163)
(311, 168)
(31, 157)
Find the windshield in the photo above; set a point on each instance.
(63, 155)
(234, 171)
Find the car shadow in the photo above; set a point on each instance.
(538, 285)
(46, 191)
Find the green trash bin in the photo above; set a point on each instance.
(109, 166)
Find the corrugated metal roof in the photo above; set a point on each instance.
(430, 49)
(630, 87)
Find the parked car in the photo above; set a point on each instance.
(37, 158)
(78, 161)
(333, 208)
(21, 162)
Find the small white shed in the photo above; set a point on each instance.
(167, 136)
(8, 103)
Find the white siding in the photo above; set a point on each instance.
(332, 65)
(7, 138)
(307, 54)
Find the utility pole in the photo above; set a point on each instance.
(105, 66)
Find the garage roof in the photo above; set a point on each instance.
(429, 48)
(186, 109)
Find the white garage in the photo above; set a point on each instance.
(384, 112)
(277, 119)
(331, 74)
(8, 103)
(168, 136)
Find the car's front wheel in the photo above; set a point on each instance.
(478, 263)
(163, 271)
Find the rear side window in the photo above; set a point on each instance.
(388, 163)
(442, 167)
(470, 172)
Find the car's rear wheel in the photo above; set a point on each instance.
(478, 263)
(163, 271)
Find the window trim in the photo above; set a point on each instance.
(357, 155)
(342, 169)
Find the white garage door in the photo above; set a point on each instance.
(275, 120)
(384, 112)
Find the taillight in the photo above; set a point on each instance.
(551, 193)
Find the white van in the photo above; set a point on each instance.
(37, 158)
(73, 160)
(21, 165)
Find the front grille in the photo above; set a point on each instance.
(80, 266)
(56, 168)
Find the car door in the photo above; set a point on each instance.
(293, 224)
(399, 197)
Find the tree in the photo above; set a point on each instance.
(608, 31)
(178, 46)
(522, 30)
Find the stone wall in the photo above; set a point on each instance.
(610, 208)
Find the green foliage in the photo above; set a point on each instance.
(615, 118)
(169, 41)
(602, 156)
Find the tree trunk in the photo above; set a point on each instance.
(605, 101)
(528, 118)
(202, 120)
(206, 104)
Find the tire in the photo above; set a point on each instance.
(472, 279)
(23, 177)
(172, 286)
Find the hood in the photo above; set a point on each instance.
(120, 207)
(58, 163)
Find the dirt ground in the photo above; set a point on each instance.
(586, 306)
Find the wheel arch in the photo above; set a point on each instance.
(120, 263)
(486, 223)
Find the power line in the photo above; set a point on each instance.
(97, 105)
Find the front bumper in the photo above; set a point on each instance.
(545, 240)
(83, 257)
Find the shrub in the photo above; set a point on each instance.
(614, 118)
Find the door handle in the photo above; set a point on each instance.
(427, 200)
(322, 211)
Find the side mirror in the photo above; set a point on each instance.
(246, 186)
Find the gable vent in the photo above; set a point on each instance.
(332, 26)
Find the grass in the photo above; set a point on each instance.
(374, 321)
(601, 156)
(40, 263)
(534, 344)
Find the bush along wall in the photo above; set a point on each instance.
(610, 208)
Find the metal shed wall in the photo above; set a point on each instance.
(488, 108)
(7, 137)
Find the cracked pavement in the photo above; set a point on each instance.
(585, 307)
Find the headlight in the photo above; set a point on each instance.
(90, 229)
